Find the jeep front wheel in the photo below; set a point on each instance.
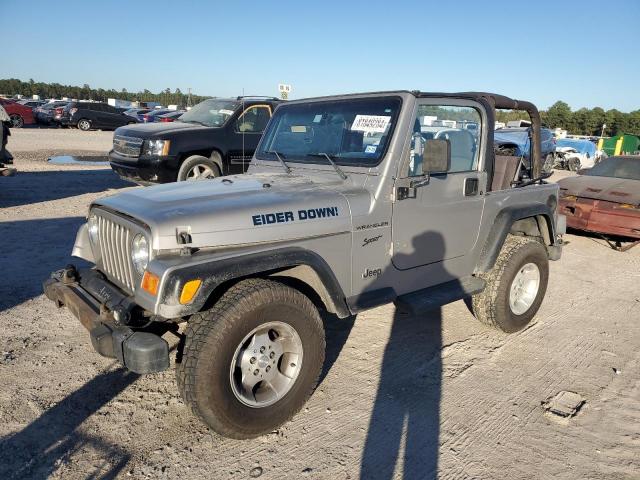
(251, 362)
(515, 286)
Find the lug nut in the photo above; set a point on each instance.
(271, 355)
(268, 368)
(256, 371)
(262, 349)
(253, 360)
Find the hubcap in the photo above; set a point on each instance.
(524, 288)
(16, 120)
(84, 125)
(199, 172)
(266, 364)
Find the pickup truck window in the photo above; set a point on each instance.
(352, 132)
(459, 125)
(254, 119)
(210, 113)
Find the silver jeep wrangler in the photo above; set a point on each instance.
(350, 202)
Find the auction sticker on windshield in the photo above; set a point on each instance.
(371, 123)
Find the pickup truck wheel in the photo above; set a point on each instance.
(548, 163)
(251, 362)
(198, 167)
(84, 124)
(515, 285)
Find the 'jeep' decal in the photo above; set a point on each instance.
(285, 217)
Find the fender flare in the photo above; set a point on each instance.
(216, 272)
(501, 227)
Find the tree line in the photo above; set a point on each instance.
(584, 121)
(13, 86)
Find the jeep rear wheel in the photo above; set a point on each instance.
(251, 362)
(516, 285)
(198, 167)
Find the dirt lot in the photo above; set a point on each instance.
(400, 395)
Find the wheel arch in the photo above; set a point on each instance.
(299, 268)
(531, 220)
(213, 154)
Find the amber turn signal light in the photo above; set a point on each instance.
(150, 283)
(189, 291)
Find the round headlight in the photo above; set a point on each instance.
(140, 253)
(92, 226)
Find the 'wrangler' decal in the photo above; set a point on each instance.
(285, 217)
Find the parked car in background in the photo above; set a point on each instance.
(575, 154)
(32, 103)
(152, 115)
(19, 114)
(216, 137)
(515, 141)
(88, 115)
(137, 112)
(171, 116)
(605, 198)
(44, 114)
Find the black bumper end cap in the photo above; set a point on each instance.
(145, 352)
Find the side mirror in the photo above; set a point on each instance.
(436, 156)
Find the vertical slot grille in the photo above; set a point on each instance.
(115, 250)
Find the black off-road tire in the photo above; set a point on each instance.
(212, 337)
(491, 306)
(193, 161)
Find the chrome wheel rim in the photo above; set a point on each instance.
(266, 364)
(524, 288)
(199, 172)
(83, 125)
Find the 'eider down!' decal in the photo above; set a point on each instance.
(284, 217)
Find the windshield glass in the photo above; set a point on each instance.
(353, 132)
(211, 113)
(617, 167)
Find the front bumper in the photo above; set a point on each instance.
(104, 311)
(144, 169)
(600, 216)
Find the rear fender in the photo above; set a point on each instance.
(531, 220)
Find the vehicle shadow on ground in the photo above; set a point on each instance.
(337, 332)
(33, 187)
(48, 442)
(31, 250)
(404, 428)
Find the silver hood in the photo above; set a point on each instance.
(235, 210)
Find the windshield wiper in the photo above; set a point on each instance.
(284, 164)
(338, 170)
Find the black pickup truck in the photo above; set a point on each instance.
(216, 137)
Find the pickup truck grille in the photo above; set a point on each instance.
(127, 146)
(114, 242)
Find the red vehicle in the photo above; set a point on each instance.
(604, 199)
(20, 114)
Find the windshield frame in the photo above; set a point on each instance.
(316, 157)
(228, 101)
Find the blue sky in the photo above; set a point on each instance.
(583, 52)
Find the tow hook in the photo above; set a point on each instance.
(69, 275)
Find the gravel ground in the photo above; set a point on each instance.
(402, 396)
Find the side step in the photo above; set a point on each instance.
(438, 295)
